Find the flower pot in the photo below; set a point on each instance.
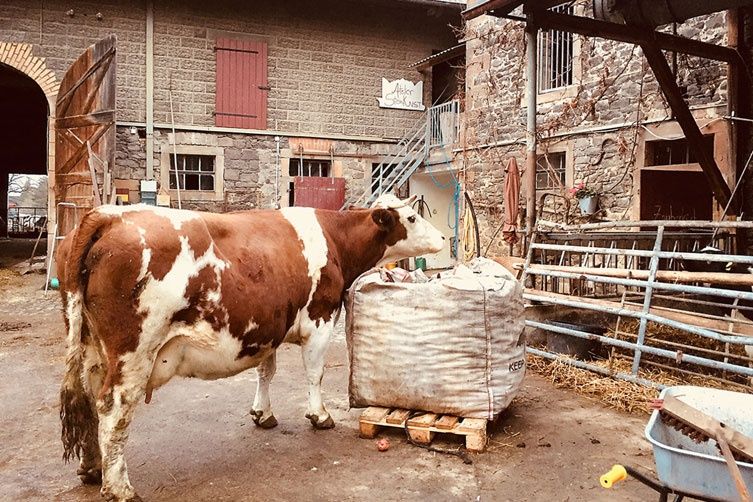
(588, 205)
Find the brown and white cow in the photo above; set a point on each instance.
(150, 293)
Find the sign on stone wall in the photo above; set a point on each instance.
(402, 94)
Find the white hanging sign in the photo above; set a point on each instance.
(402, 94)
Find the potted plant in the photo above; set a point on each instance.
(588, 198)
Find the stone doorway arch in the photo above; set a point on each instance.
(21, 57)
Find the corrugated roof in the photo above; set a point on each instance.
(434, 59)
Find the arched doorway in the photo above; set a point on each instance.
(24, 115)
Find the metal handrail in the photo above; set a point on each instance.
(410, 161)
(416, 136)
(436, 134)
(427, 133)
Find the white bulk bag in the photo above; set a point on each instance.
(452, 345)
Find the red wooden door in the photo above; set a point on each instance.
(242, 88)
(85, 127)
(321, 193)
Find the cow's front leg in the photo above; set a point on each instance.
(314, 347)
(261, 411)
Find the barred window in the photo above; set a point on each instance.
(555, 68)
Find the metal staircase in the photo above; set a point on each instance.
(438, 127)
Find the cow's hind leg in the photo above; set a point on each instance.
(262, 408)
(90, 466)
(115, 408)
(314, 347)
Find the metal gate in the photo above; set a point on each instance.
(321, 193)
(666, 307)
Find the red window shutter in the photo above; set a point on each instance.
(241, 97)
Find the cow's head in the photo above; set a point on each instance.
(407, 233)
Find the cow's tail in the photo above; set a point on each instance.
(77, 412)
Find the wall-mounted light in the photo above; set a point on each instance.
(70, 13)
(99, 16)
(133, 129)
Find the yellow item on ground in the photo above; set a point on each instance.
(616, 474)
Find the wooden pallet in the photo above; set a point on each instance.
(422, 427)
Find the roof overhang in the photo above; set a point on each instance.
(450, 4)
(440, 57)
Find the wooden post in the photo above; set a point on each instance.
(687, 122)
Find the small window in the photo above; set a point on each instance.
(311, 167)
(674, 151)
(556, 49)
(550, 170)
(195, 172)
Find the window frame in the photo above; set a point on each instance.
(547, 52)
(194, 195)
(201, 173)
(566, 169)
(723, 154)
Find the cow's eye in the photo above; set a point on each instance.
(412, 219)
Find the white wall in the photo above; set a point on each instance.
(438, 194)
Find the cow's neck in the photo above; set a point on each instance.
(359, 243)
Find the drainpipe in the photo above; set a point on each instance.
(655, 13)
(531, 142)
(276, 203)
(150, 89)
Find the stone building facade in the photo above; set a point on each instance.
(606, 124)
(324, 64)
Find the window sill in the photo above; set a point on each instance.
(557, 94)
(196, 196)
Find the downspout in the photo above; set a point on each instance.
(276, 203)
(531, 140)
(149, 89)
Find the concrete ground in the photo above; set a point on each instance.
(196, 441)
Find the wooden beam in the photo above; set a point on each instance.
(501, 7)
(548, 20)
(674, 276)
(687, 122)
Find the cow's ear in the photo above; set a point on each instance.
(384, 219)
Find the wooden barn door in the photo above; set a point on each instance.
(85, 130)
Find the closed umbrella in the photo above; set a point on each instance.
(512, 198)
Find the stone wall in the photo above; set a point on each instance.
(594, 119)
(326, 60)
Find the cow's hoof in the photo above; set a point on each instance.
(114, 498)
(91, 476)
(268, 423)
(326, 424)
